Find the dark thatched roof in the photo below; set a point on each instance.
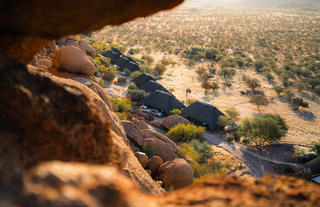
(163, 101)
(203, 113)
(314, 165)
(141, 79)
(123, 61)
(151, 86)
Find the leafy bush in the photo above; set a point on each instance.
(224, 121)
(252, 83)
(184, 133)
(233, 114)
(132, 86)
(267, 129)
(190, 101)
(298, 102)
(120, 105)
(200, 71)
(225, 72)
(278, 89)
(137, 94)
(269, 76)
(149, 59)
(175, 111)
(316, 148)
(304, 156)
(202, 153)
(135, 74)
(110, 73)
(259, 100)
(258, 65)
(159, 69)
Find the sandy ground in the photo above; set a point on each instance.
(304, 125)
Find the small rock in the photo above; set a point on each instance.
(148, 117)
(154, 164)
(155, 123)
(143, 158)
(45, 62)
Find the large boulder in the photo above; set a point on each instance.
(150, 133)
(134, 170)
(73, 184)
(171, 121)
(142, 125)
(176, 174)
(45, 133)
(30, 30)
(160, 148)
(89, 50)
(73, 60)
(44, 117)
(133, 132)
(103, 104)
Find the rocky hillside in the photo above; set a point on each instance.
(62, 144)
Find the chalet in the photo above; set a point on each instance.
(203, 114)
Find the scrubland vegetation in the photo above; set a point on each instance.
(265, 61)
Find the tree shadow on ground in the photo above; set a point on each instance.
(305, 115)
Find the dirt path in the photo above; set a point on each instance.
(258, 165)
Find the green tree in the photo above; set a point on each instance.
(159, 69)
(258, 65)
(224, 121)
(267, 129)
(233, 114)
(259, 100)
(252, 83)
(298, 102)
(225, 72)
(278, 89)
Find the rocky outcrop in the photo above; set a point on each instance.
(103, 103)
(176, 174)
(43, 117)
(160, 148)
(170, 121)
(73, 184)
(133, 132)
(45, 133)
(133, 169)
(73, 60)
(30, 30)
